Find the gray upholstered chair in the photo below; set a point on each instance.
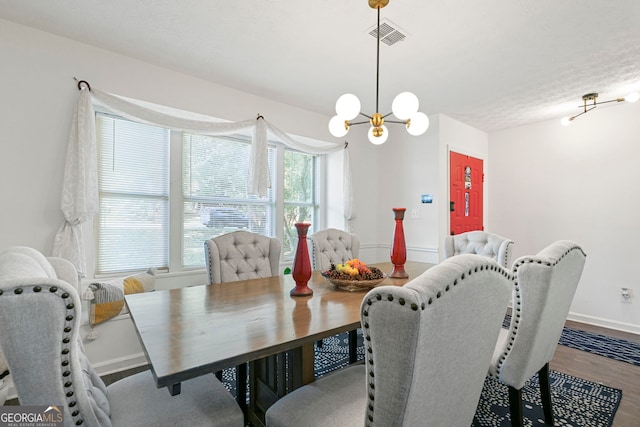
(4, 378)
(428, 346)
(333, 246)
(544, 289)
(242, 255)
(480, 243)
(40, 315)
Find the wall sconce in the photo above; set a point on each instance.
(590, 101)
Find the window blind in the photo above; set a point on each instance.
(133, 221)
(215, 195)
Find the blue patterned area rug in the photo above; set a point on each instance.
(602, 345)
(576, 402)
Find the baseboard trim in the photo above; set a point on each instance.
(605, 323)
(120, 364)
(380, 253)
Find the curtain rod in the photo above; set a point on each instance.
(80, 83)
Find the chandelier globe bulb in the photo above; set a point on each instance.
(405, 105)
(566, 121)
(418, 124)
(632, 97)
(348, 106)
(380, 139)
(338, 127)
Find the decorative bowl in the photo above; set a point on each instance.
(355, 285)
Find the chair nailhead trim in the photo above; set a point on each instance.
(515, 319)
(414, 306)
(65, 340)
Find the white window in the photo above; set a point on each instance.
(215, 196)
(138, 207)
(299, 196)
(133, 220)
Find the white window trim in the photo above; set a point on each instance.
(176, 223)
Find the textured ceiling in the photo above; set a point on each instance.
(492, 64)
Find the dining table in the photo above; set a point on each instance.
(196, 330)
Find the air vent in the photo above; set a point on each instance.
(390, 34)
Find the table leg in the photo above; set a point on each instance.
(300, 367)
(274, 376)
(267, 379)
(353, 346)
(174, 389)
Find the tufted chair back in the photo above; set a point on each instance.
(480, 243)
(333, 246)
(544, 289)
(39, 334)
(428, 345)
(242, 255)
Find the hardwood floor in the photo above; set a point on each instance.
(612, 373)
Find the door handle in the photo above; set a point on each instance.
(452, 206)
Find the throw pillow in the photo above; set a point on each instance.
(108, 296)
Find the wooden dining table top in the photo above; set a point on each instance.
(191, 331)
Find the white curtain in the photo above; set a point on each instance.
(80, 187)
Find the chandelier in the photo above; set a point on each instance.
(590, 101)
(404, 106)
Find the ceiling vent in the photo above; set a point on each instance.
(390, 33)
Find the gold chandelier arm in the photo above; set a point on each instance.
(586, 110)
(611, 100)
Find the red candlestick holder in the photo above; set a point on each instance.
(398, 248)
(301, 264)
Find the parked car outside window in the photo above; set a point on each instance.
(224, 217)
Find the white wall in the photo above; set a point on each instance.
(579, 182)
(536, 172)
(37, 98)
(406, 167)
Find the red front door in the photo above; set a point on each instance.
(466, 181)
